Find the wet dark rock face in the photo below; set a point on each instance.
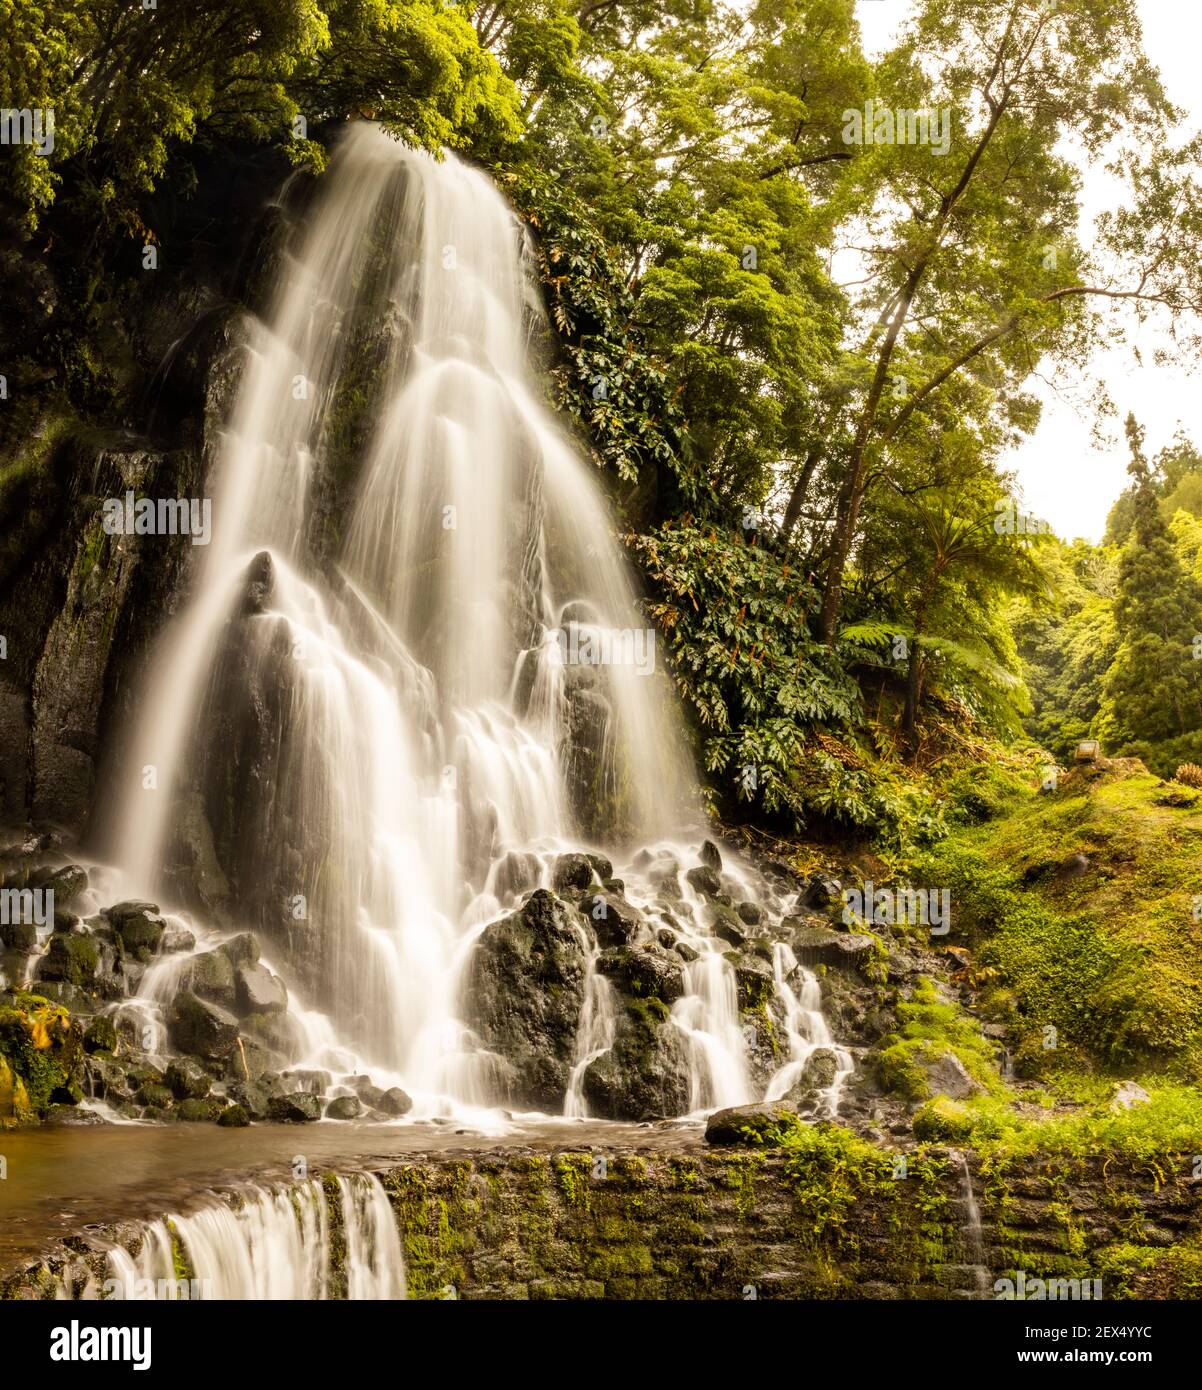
(80, 608)
(525, 993)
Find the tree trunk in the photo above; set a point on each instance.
(798, 495)
(910, 710)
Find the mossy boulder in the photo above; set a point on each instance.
(705, 880)
(107, 1080)
(393, 1101)
(257, 990)
(754, 981)
(187, 1080)
(233, 1117)
(139, 926)
(242, 949)
(201, 1028)
(615, 922)
(41, 1057)
(254, 1096)
(943, 1120)
(815, 946)
(645, 1074)
(516, 873)
(650, 973)
(278, 1031)
(727, 925)
(70, 957)
(66, 883)
(572, 872)
(920, 1068)
(19, 936)
(100, 1034)
(762, 1125)
(155, 1095)
(298, 1107)
(195, 1110)
(211, 976)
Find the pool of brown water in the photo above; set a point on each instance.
(61, 1180)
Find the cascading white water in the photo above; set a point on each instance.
(273, 1244)
(974, 1232)
(805, 1027)
(408, 670)
(595, 1035)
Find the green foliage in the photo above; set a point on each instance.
(1096, 967)
(1154, 688)
(40, 1047)
(1144, 1136)
(608, 382)
(931, 1028)
(1068, 647)
(735, 619)
(129, 85)
(942, 1120)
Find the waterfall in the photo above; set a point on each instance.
(274, 1243)
(974, 1236)
(805, 1027)
(364, 706)
(595, 1035)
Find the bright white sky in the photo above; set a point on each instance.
(1062, 476)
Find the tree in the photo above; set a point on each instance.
(127, 85)
(971, 261)
(1154, 688)
(1068, 647)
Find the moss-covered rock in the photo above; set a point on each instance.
(100, 1034)
(196, 1110)
(210, 975)
(943, 1120)
(70, 957)
(645, 1074)
(187, 1080)
(758, 1125)
(298, 1107)
(139, 926)
(647, 973)
(41, 1056)
(201, 1028)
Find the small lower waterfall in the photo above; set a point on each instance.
(274, 1243)
(974, 1235)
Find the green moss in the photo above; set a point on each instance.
(943, 1119)
(574, 1174)
(40, 1050)
(1100, 963)
(931, 1028)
